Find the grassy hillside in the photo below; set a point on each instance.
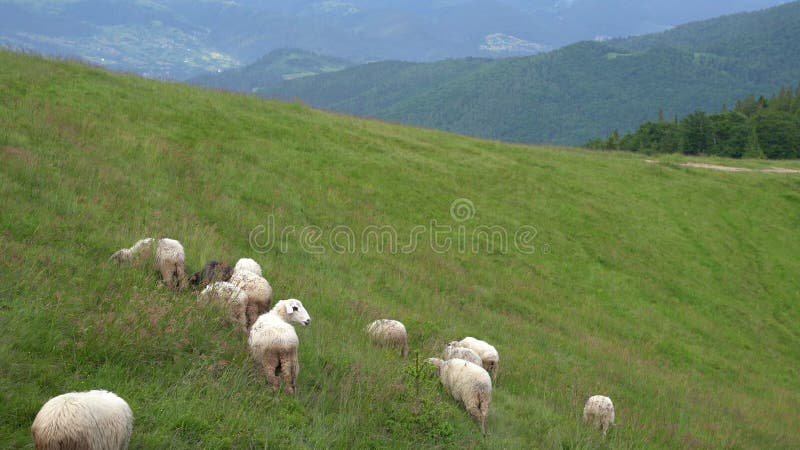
(672, 290)
(580, 91)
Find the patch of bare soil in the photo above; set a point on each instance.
(16, 152)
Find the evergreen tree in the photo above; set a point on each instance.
(613, 140)
(778, 134)
(753, 150)
(696, 133)
(730, 134)
(755, 128)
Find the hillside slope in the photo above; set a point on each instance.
(580, 91)
(672, 290)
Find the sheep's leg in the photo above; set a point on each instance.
(289, 369)
(239, 316)
(270, 365)
(251, 311)
(180, 271)
(475, 412)
(484, 410)
(166, 274)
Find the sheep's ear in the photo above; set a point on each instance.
(289, 307)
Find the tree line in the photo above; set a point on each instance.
(755, 128)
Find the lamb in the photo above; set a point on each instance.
(83, 420)
(389, 333)
(248, 265)
(599, 411)
(489, 357)
(137, 254)
(273, 343)
(468, 383)
(234, 299)
(212, 271)
(259, 293)
(171, 262)
(454, 351)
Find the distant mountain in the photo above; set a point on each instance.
(577, 92)
(275, 67)
(182, 38)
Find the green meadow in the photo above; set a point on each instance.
(673, 290)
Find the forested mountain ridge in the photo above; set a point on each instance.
(179, 39)
(755, 128)
(578, 92)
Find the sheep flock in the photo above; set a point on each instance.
(100, 419)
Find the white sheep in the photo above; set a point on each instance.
(249, 265)
(137, 254)
(171, 262)
(83, 420)
(599, 411)
(389, 333)
(453, 351)
(259, 293)
(468, 383)
(230, 295)
(273, 342)
(489, 357)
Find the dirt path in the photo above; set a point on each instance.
(731, 168)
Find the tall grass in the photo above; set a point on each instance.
(672, 290)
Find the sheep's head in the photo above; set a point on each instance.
(223, 272)
(121, 256)
(375, 325)
(438, 363)
(194, 280)
(294, 311)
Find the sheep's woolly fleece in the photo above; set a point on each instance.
(230, 295)
(389, 333)
(273, 342)
(468, 383)
(454, 351)
(259, 293)
(83, 420)
(489, 356)
(599, 411)
(249, 265)
(171, 262)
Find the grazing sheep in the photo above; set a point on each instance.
(83, 420)
(273, 342)
(137, 254)
(489, 357)
(389, 333)
(468, 383)
(259, 293)
(171, 262)
(212, 271)
(454, 351)
(599, 411)
(234, 299)
(248, 265)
